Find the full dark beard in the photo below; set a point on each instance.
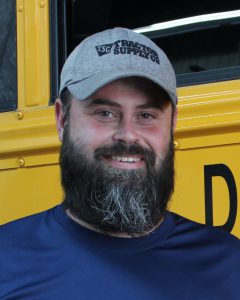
(112, 199)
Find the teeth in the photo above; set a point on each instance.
(126, 159)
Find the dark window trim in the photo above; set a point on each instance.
(205, 77)
(12, 104)
(58, 44)
(7, 106)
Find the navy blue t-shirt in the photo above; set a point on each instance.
(48, 256)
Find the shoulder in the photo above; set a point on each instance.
(24, 226)
(189, 231)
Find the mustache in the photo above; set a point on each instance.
(121, 149)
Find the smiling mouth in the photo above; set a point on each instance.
(129, 159)
(125, 160)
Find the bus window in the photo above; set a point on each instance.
(8, 60)
(206, 49)
(208, 46)
(201, 52)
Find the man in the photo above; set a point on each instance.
(113, 237)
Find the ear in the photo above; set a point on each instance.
(174, 121)
(60, 118)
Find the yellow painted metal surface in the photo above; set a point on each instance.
(28, 190)
(29, 170)
(34, 133)
(29, 146)
(189, 198)
(33, 53)
(208, 134)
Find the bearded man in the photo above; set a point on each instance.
(113, 236)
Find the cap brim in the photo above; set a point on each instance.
(84, 88)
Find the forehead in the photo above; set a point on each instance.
(138, 90)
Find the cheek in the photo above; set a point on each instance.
(90, 134)
(158, 139)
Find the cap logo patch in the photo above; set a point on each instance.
(128, 47)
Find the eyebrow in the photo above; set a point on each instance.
(99, 101)
(103, 102)
(156, 104)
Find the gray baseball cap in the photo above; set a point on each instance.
(113, 54)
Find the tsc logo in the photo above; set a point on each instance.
(104, 49)
(128, 47)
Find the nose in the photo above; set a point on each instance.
(126, 133)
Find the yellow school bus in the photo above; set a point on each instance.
(204, 49)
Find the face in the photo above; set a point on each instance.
(117, 147)
(122, 111)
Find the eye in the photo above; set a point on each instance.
(105, 113)
(146, 116)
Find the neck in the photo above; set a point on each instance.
(116, 234)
